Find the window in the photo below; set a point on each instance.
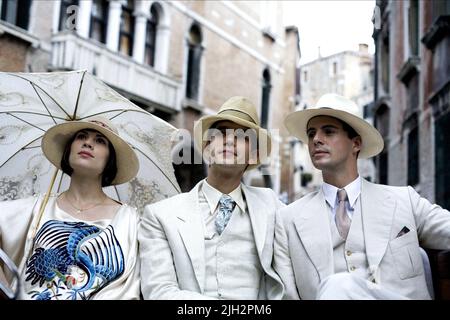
(16, 12)
(126, 28)
(440, 8)
(368, 111)
(413, 27)
(305, 76)
(372, 77)
(382, 118)
(412, 88)
(99, 20)
(437, 31)
(385, 63)
(381, 122)
(265, 101)
(64, 14)
(335, 68)
(442, 159)
(150, 38)
(297, 85)
(413, 156)
(194, 59)
(383, 168)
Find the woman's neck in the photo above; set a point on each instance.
(85, 190)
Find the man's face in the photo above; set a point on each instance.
(230, 144)
(329, 146)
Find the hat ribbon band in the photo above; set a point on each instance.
(101, 124)
(242, 114)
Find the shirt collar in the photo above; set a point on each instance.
(213, 195)
(353, 190)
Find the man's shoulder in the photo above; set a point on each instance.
(387, 188)
(264, 195)
(293, 207)
(170, 203)
(259, 190)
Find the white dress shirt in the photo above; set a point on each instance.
(209, 200)
(353, 190)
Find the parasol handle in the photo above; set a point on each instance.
(44, 202)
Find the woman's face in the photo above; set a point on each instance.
(89, 152)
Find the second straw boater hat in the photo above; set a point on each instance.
(239, 110)
(344, 109)
(56, 138)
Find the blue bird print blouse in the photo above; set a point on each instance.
(68, 258)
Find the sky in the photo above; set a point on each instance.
(334, 25)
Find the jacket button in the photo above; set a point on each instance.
(349, 253)
(352, 268)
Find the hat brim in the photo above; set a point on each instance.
(55, 139)
(204, 123)
(372, 142)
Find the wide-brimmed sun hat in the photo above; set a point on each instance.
(56, 138)
(344, 109)
(241, 111)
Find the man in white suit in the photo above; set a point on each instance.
(216, 241)
(352, 239)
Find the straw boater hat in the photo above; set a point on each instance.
(339, 107)
(239, 110)
(55, 139)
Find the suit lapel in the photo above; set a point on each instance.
(313, 227)
(192, 232)
(378, 208)
(258, 218)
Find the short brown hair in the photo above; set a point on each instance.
(351, 133)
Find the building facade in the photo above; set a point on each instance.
(179, 60)
(412, 95)
(347, 73)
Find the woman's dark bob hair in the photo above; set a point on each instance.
(110, 171)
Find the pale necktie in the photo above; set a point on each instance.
(226, 206)
(342, 220)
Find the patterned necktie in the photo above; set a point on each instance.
(226, 207)
(342, 220)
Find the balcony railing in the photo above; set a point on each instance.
(72, 52)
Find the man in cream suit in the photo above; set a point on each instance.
(352, 239)
(216, 241)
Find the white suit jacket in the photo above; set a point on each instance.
(303, 248)
(172, 245)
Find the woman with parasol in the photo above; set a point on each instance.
(79, 244)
